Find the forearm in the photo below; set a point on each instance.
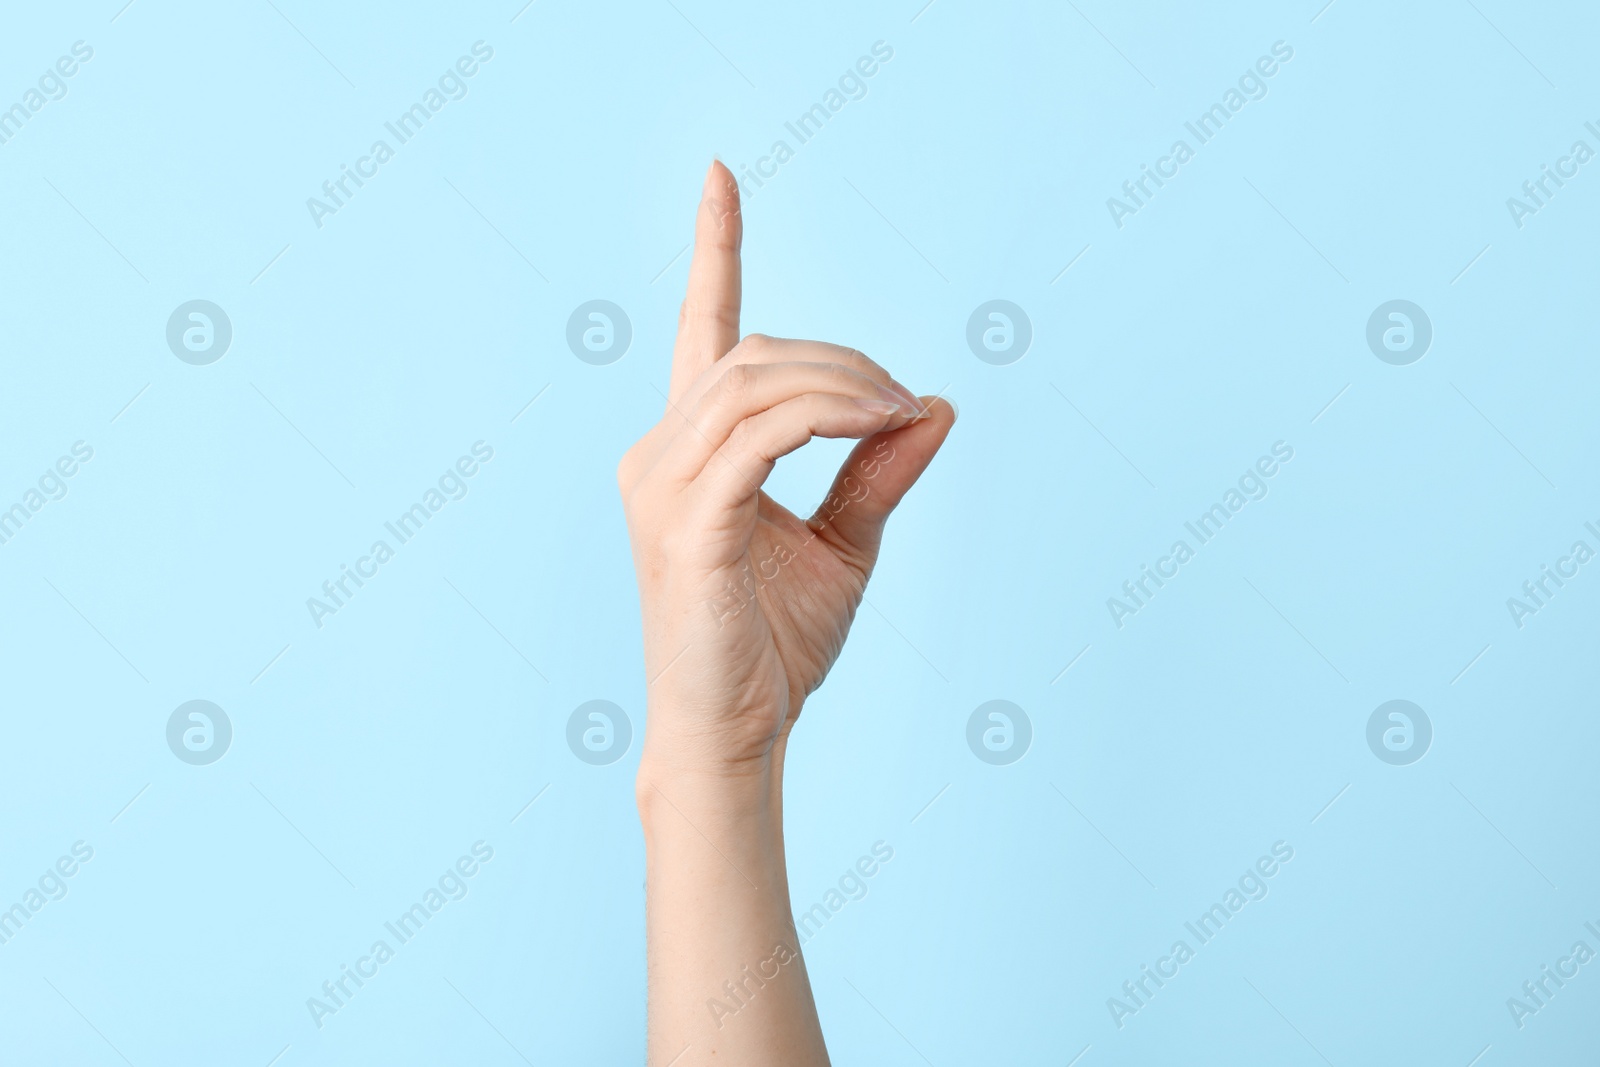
(727, 984)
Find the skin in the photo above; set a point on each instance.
(745, 608)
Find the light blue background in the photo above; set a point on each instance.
(1223, 317)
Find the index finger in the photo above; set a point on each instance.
(708, 325)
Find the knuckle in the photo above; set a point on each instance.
(738, 381)
(715, 311)
(841, 377)
(743, 437)
(868, 366)
(756, 344)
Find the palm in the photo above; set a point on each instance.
(806, 608)
(784, 598)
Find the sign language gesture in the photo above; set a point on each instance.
(746, 605)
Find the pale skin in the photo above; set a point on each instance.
(745, 608)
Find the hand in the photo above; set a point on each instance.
(745, 606)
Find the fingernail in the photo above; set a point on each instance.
(905, 394)
(919, 408)
(928, 403)
(878, 407)
(900, 398)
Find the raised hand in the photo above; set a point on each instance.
(745, 605)
(745, 608)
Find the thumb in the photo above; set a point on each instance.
(878, 474)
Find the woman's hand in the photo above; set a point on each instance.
(746, 606)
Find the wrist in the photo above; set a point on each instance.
(691, 788)
(714, 756)
(722, 790)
